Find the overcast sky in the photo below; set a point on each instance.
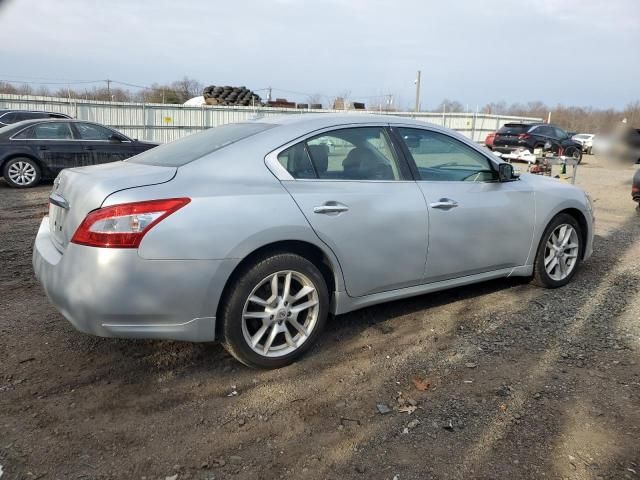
(574, 52)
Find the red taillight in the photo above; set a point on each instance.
(124, 225)
(523, 136)
(635, 189)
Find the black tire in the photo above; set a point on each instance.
(32, 176)
(233, 307)
(540, 275)
(574, 153)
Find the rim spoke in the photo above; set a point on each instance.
(274, 288)
(303, 306)
(259, 334)
(258, 300)
(287, 285)
(548, 259)
(289, 338)
(563, 266)
(262, 315)
(297, 326)
(552, 265)
(272, 337)
(304, 291)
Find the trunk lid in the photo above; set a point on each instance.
(77, 191)
(509, 134)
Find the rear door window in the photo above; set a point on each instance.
(192, 147)
(51, 131)
(8, 118)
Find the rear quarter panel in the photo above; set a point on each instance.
(237, 206)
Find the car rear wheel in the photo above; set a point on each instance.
(574, 153)
(276, 311)
(559, 252)
(21, 172)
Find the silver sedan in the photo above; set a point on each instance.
(252, 233)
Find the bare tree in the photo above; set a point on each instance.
(187, 88)
(450, 106)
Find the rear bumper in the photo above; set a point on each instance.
(115, 293)
(510, 149)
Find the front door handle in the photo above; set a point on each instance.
(89, 148)
(444, 204)
(43, 147)
(330, 207)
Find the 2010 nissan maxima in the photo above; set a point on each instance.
(252, 233)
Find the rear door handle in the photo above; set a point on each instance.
(89, 148)
(330, 207)
(444, 204)
(42, 147)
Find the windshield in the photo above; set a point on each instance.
(188, 149)
(514, 128)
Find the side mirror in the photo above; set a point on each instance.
(505, 172)
(115, 138)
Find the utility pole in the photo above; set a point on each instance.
(108, 88)
(268, 95)
(418, 92)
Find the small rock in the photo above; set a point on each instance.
(504, 391)
(172, 477)
(341, 404)
(413, 423)
(448, 426)
(235, 459)
(241, 422)
(470, 365)
(383, 408)
(361, 468)
(412, 402)
(537, 395)
(204, 465)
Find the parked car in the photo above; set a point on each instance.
(635, 187)
(252, 233)
(488, 142)
(8, 117)
(34, 150)
(586, 140)
(530, 136)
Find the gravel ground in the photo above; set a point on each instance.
(497, 380)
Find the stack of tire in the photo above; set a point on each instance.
(216, 95)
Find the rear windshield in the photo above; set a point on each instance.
(514, 128)
(188, 149)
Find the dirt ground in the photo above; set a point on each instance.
(514, 381)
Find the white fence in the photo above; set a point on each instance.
(164, 123)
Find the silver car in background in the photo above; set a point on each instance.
(252, 233)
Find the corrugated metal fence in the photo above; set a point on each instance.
(164, 123)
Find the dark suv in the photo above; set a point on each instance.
(513, 136)
(7, 117)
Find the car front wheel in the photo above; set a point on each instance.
(21, 172)
(276, 311)
(559, 252)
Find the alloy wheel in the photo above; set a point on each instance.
(561, 252)
(22, 173)
(280, 313)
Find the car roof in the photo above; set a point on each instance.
(315, 121)
(13, 110)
